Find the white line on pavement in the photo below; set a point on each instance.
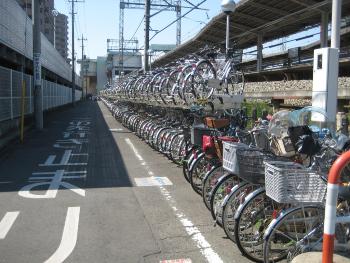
(200, 241)
(134, 149)
(69, 236)
(192, 230)
(116, 129)
(7, 222)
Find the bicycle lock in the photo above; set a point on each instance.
(331, 204)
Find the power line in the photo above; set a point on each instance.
(164, 28)
(137, 29)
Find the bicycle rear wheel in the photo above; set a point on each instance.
(251, 221)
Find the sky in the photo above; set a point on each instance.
(98, 20)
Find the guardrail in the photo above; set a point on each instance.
(283, 61)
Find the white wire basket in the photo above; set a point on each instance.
(288, 182)
(229, 156)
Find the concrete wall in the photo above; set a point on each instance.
(101, 73)
(291, 88)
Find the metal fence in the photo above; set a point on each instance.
(54, 95)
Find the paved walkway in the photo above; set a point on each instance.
(73, 192)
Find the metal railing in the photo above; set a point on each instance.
(54, 94)
(283, 61)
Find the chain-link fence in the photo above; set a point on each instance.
(54, 95)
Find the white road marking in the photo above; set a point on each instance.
(200, 241)
(152, 181)
(79, 175)
(127, 140)
(115, 130)
(69, 236)
(54, 184)
(181, 260)
(204, 246)
(7, 222)
(64, 160)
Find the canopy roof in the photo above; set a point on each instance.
(272, 19)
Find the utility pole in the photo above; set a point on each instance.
(55, 14)
(178, 23)
(83, 62)
(73, 51)
(38, 103)
(147, 18)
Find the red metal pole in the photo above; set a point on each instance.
(331, 206)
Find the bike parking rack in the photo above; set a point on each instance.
(331, 205)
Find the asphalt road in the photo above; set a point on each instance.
(74, 192)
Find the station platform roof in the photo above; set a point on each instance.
(271, 18)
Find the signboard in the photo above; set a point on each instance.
(37, 68)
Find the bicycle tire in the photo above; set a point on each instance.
(314, 211)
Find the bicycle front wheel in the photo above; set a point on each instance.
(296, 231)
(251, 221)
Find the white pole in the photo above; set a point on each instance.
(336, 15)
(54, 31)
(227, 33)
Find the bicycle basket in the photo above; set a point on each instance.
(244, 137)
(229, 155)
(288, 182)
(216, 123)
(251, 164)
(198, 132)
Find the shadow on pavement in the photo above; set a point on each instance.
(105, 167)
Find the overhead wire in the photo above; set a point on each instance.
(167, 26)
(137, 29)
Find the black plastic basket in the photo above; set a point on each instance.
(198, 132)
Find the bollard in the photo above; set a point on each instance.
(331, 205)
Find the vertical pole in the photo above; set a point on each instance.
(23, 108)
(324, 30)
(147, 19)
(38, 104)
(121, 41)
(335, 43)
(83, 63)
(259, 54)
(336, 15)
(178, 24)
(73, 57)
(11, 94)
(54, 31)
(227, 33)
